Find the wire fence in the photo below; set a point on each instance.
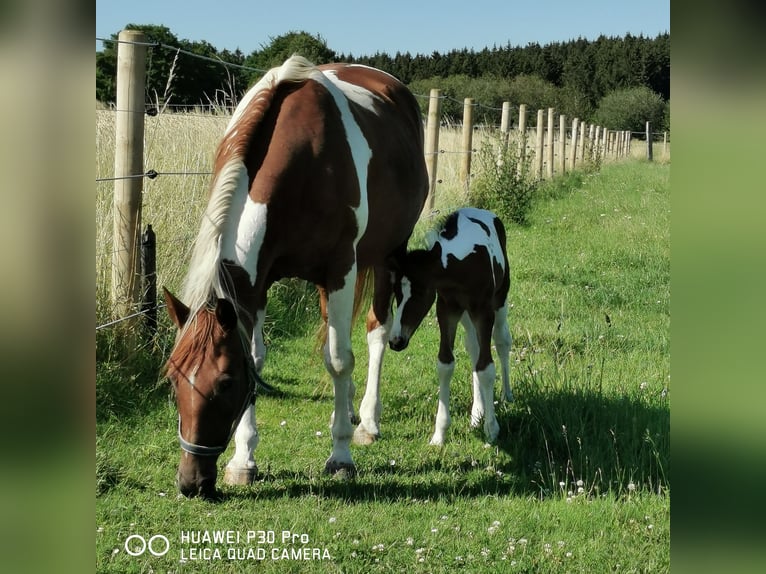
(178, 151)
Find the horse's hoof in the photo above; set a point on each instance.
(340, 470)
(364, 438)
(240, 476)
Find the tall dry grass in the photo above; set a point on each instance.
(180, 146)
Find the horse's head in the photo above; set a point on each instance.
(213, 376)
(415, 293)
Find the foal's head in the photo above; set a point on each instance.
(213, 377)
(415, 293)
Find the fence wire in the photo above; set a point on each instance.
(221, 112)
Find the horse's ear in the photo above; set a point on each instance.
(226, 314)
(178, 312)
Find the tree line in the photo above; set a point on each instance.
(610, 80)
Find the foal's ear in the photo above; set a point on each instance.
(226, 314)
(178, 312)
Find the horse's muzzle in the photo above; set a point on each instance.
(398, 343)
(196, 481)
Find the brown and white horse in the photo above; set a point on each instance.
(320, 175)
(466, 266)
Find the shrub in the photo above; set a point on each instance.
(630, 109)
(503, 184)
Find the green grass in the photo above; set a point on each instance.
(578, 481)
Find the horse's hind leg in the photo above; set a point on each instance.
(472, 348)
(351, 387)
(485, 371)
(503, 341)
(241, 469)
(339, 361)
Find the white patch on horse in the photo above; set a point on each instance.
(360, 147)
(353, 92)
(192, 377)
(242, 239)
(371, 68)
(471, 235)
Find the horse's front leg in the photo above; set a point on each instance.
(339, 361)
(242, 469)
(448, 318)
(379, 320)
(368, 430)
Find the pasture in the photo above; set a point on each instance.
(578, 481)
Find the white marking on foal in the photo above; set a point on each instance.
(443, 420)
(471, 235)
(396, 330)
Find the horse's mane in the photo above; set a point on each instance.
(206, 278)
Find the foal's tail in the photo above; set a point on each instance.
(362, 298)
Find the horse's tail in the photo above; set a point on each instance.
(363, 291)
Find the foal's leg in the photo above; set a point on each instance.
(378, 327)
(339, 360)
(503, 341)
(485, 370)
(472, 347)
(445, 366)
(241, 469)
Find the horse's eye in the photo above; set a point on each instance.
(224, 384)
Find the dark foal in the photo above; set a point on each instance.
(466, 270)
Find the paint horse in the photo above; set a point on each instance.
(466, 267)
(320, 175)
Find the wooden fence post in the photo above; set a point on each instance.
(665, 144)
(562, 144)
(591, 139)
(549, 143)
(604, 135)
(522, 155)
(583, 125)
(432, 143)
(649, 154)
(128, 169)
(505, 118)
(573, 151)
(467, 148)
(539, 146)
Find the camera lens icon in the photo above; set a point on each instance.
(137, 545)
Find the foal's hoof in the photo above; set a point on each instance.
(364, 438)
(340, 470)
(240, 476)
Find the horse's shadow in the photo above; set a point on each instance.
(546, 440)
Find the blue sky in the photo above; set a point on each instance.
(363, 28)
